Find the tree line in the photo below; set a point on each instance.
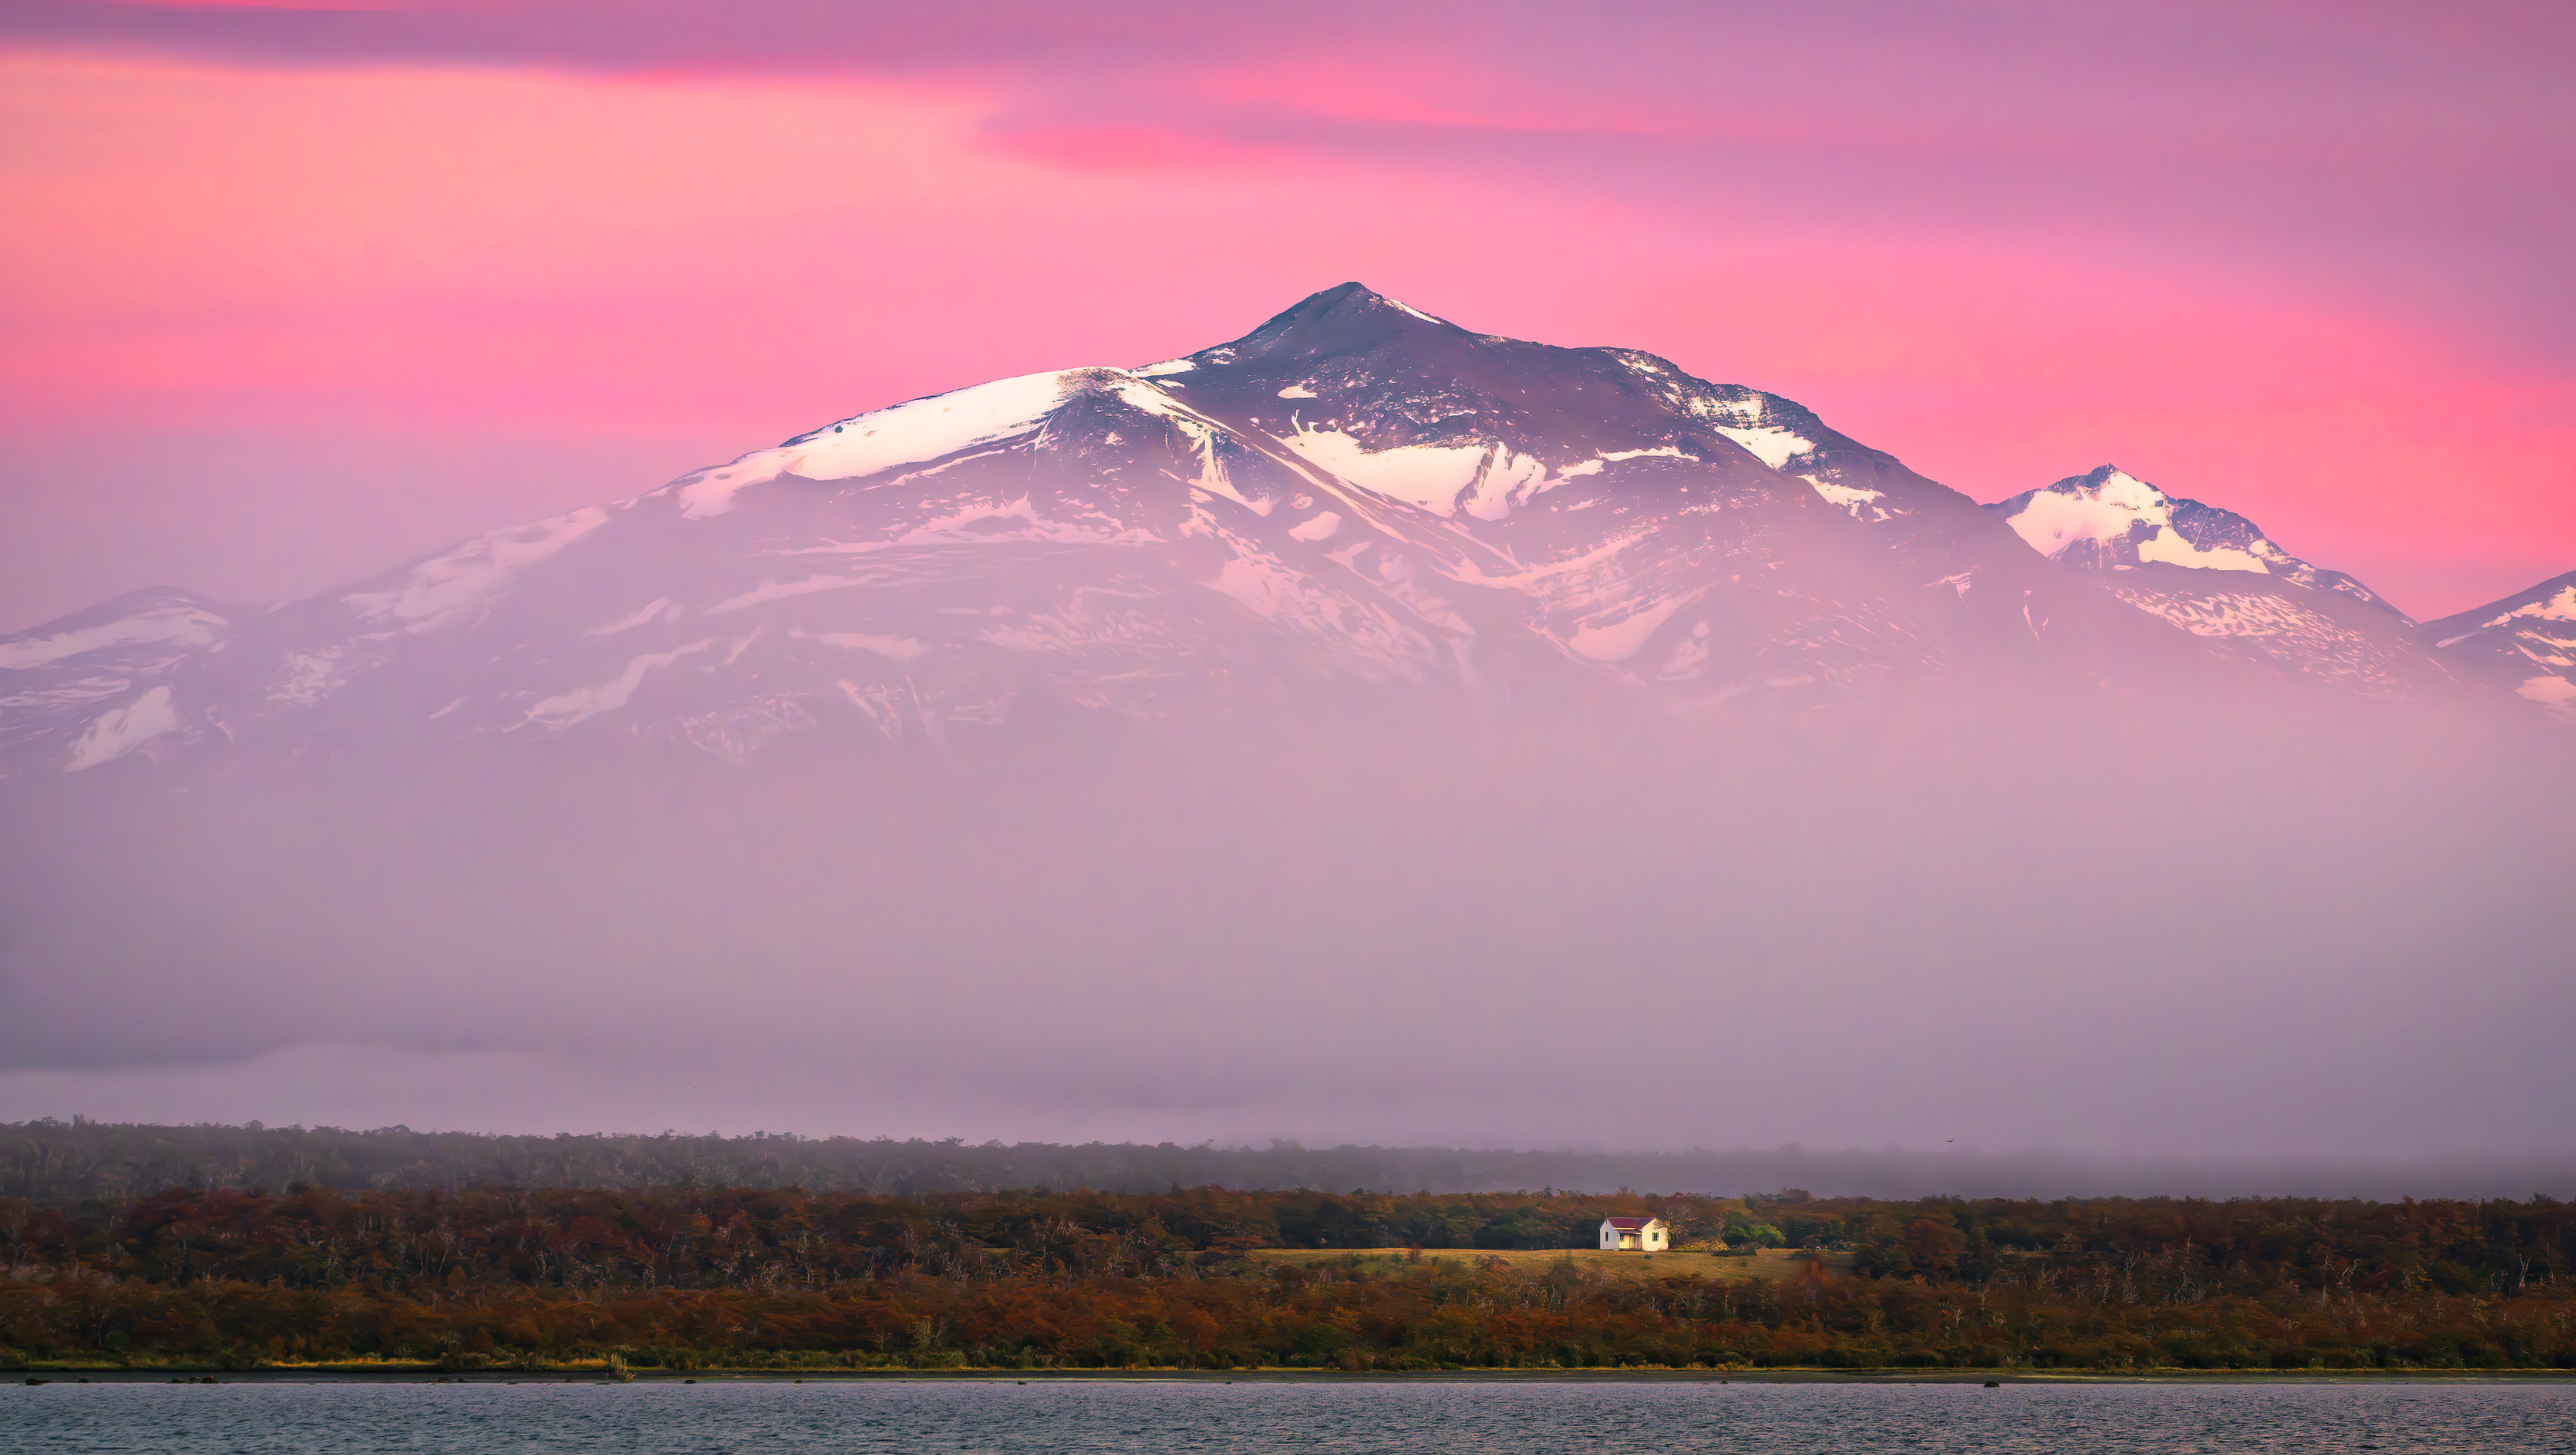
(50, 1160)
(690, 1276)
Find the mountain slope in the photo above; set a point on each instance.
(2526, 642)
(2214, 574)
(94, 679)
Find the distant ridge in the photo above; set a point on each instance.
(2526, 641)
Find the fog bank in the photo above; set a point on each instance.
(2268, 933)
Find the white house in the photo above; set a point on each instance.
(1634, 1235)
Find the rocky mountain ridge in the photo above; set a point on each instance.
(2525, 642)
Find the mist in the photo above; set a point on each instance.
(2262, 930)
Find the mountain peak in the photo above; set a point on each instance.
(1339, 319)
(2112, 476)
(2108, 519)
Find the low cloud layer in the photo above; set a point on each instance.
(2238, 931)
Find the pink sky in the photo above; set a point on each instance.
(291, 293)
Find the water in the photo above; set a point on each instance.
(1259, 1416)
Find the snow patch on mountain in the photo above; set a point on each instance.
(2169, 547)
(2556, 695)
(1505, 480)
(1321, 527)
(1206, 436)
(1781, 433)
(1430, 476)
(1486, 481)
(60, 694)
(1771, 444)
(1597, 463)
(565, 709)
(448, 588)
(2287, 628)
(2121, 516)
(1360, 636)
(1689, 658)
(1619, 640)
(1863, 504)
(2225, 613)
(913, 432)
(981, 522)
(781, 590)
(2561, 607)
(892, 648)
(120, 730)
(659, 608)
(1593, 560)
(307, 678)
(180, 625)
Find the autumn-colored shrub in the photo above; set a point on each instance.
(683, 1277)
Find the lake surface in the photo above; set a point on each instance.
(1258, 1416)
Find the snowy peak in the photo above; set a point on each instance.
(1341, 319)
(2526, 641)
(2110, 520)
(1465, 423)
(1379, 395)
(2213, 575)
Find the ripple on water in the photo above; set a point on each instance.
(1003, 1418)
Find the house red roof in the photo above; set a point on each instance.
(1628, 1225)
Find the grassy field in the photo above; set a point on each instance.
(1770, 1263)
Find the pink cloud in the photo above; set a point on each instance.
(2302, 265)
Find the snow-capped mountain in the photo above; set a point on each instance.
(1357, 496)
(2112, 520)
(2213, 573)
(2526, 641)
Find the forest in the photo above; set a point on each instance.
(690, 1276)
